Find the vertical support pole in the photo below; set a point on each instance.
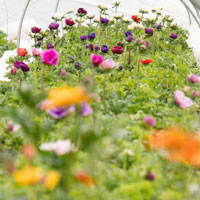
(21, 23)
(57, 5)
(189, 16)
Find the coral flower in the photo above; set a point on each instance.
(108, 64)
(35, 52)
(96, 59)
(84, 178)
(50, 57)
(51, 180)
(65, 96)
(22, 52)
(146, 61)
(136, 19)
(28, 175)
(179, 145)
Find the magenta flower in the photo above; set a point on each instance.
(193, 78)
(86, 109)
(108, 64)
(181, 100)
(149, 120)
(50, 57)
(96, 59)
(195, 93)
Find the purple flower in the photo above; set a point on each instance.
(149, 120)
(158, 26)
(90, 46)
(129, 38)
(77, 65)
(50, 57)
(91, 36)
(128, 33)
(150, 176)
(83, 37)
(21, 65)
(97, 48)
(58, 113)
(193, 78)
(104, 48)
(149, 31)
(86, 109)
(104, 20)
(82, 11)
(53, 26)
(35, 29)
(50, 46)
(173, 35)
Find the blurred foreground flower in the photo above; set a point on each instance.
(193, 78)
(177, 145)
(51, 180)
(60, 147)
(84, 178)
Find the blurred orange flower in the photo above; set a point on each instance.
(28, 175)
(65, 96)
(51, 180)
(84, 178)
(179, 145)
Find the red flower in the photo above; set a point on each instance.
(84, 178)
(147, 61)
(136, 19)
(69, 22)
(117, 49)
(22, 52)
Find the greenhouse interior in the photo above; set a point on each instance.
(100, 100)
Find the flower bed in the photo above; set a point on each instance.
(102, 109)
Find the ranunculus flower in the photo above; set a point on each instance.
(77, 65)
(50, 57)
(86, 109)
(36, 52)
(82, 11)
(22, 52)
(21, 65)
(35, 29)
(96, 59)
(146, 61)
(129, 38)
(128, 33)
(181, 100)
(195, 93)
(186, 88)
(53, 26)
(104, 48)
(108, 64)
(117, 49)
(193, 78)
(69, 22)
(90, 46)
(104, 20)
(149, 31)
(60, 147)
(173, 35)
(50, 46)
(136, 19)
(13, 71)
(83, 37)
(149, 120)
(63, 73)
(84, 178)
(91, 36)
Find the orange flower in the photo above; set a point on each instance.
(22, 52)
(29, 151)
(180, 146)
(84, 178)
(65, 96)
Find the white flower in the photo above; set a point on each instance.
(135, 26)
(80, 20)
(60, 147)
(59, 16)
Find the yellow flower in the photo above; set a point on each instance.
(28, 175)
(51, 180)
(65, 96)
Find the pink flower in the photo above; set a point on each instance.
(50, 57)
(149, 120)
(193, 78)
(195, 93)
(86, 109)
(181, 100)
(96, 59)
(186, 88)
(108, 64)
(35, 52)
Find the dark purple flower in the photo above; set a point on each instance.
(128, 33)
(104, 20)
(83, 37)
(129, 38)
(77, 65)
(71, 58)
(53, 26)
(86, 109)
(59, 113)
(158, 26)
(38, 44)
(21, 65)
(120, 68)
(150, 176)
(90, 46)
(149, 31)
(173, 35)
(50, 46)
(91, 36)
(104, 48)
(35, 29)
(69, 22)
(97, 48)
(82, 11)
